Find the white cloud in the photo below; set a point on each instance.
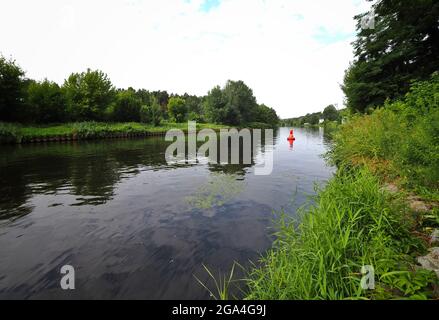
(172, 45)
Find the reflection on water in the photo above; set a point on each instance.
(134, 226)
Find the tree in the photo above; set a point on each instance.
(45, 102)
(235, 104)
(401, 48)
(177, 109)
(214, 105)
(11, 89)
(193, 103)
(267, 115)
(314, 119)
(88, 95)
(145, 96)
(151, 113)
(163, 100)
(330, 113)
(127, 107)
(240, 103)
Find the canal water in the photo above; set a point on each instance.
(133, 226)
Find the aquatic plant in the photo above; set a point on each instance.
(220, 189)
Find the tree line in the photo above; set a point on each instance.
(330, 113)
(91, 96)
(401, 48)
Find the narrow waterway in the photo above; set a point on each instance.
(133, 226)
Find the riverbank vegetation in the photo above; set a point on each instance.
(15, 133)
(91, 97)
(399, 142)
(352, 224)
(355, 221)
(381, 206)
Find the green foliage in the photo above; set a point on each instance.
(15, 133)
(215, 105)
(145, 96)
(194, 104)
(222, 285)
(45, 102)
(162, 98)
(88, 95)
(411, 284)
(159, 98)
(266, 115)
(219, 190)
(308, 119)
(151, 113)
(126, 107)
(313, 119)
(11, 90)
(235, 104)
(353, 221)
(9, 133)
(423, 96)
(177, 109)
(240, 103)
(193, 116)
(352, 224)
(404, 134)
(401, 48)
(330, 113)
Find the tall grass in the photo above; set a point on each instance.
(222, 283)
(399, 141)
(352, 224)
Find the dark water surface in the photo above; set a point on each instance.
(133, 226)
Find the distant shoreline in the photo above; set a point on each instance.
(23, 134)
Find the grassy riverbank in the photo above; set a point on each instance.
(378, 210)
(15, 133)
(353, 223)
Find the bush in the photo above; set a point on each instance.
(266, 115)
(88, 95)
(11, 90)
(46, 102)
(9, 133)
(126, 108)
(177, 109)
(330, 113)
(402, 138)
(194, 116)
(151, 114)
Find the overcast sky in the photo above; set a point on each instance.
(292, 53)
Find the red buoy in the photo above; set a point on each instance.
(291, 137)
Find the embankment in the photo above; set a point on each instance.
(377, 213)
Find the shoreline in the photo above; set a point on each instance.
(22, 134)
(380, 210)
(357, 220)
